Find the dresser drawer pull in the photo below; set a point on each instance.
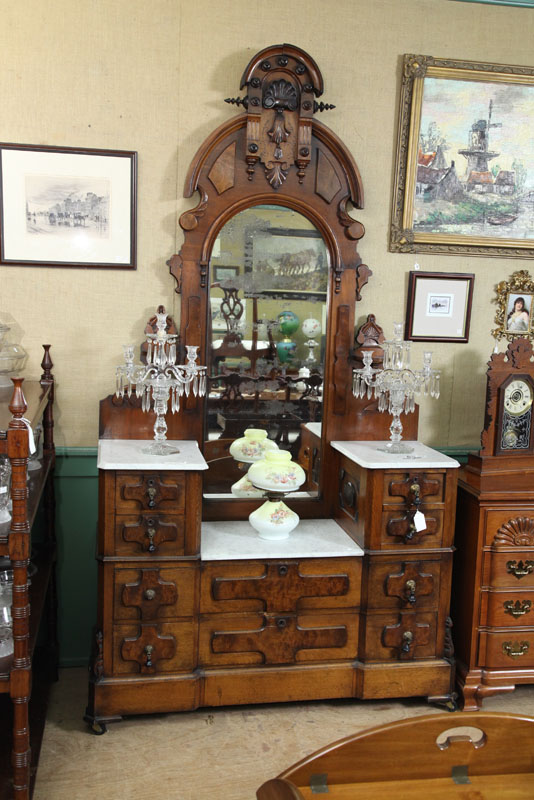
(515, 649)
(151, 532)
(407, 639)
(282, 570)
(415, 489)
(517, 609)
(412, 530)
(149, 649)
(410, 592)
(281, 623)
(520, 569)
(151, 492)
(149, 594)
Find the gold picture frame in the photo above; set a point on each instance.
(515, 307)
(464, 182)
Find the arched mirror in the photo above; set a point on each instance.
(269, 276)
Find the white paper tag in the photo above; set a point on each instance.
(31, 440)
(419, 521)
(3, 489)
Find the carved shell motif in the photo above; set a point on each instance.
(518, 532)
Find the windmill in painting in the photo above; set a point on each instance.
(475, 171)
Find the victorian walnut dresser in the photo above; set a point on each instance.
(194, 608)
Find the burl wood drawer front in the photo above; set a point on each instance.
(512, 569)
(404, 584)
(153, 593)
(507, 609)
(154, 648)
(398, 528)
(507, 528)
(405, 487)
(284, 586)
(399, 637)
(149, 491)
(149, 534)
(268, 639)
(510, 649)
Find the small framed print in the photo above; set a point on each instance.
(67, 207)
(439, 306)
(225, 273)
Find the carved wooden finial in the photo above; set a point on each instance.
(18, 404)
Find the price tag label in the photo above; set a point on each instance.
(419, 521)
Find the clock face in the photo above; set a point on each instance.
(516, 416)
(517, 397)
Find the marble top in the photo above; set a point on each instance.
(367, 454)
(312, 538)
(314, 427)
(128, 454)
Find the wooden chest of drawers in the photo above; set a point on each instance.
(493, 593)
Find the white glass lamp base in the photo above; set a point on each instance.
(273, 520)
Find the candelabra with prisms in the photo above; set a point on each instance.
(395, 384)
(161, 379)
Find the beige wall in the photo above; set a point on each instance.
(151, 77)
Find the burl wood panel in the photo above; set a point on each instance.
(152, 648)
(150, 593)
(399, 636)
(404, 584)
(149, 491)
(151, 535)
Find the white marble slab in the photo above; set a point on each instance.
(128, 454)
(312, 538)
(314, 427)
(367, 454)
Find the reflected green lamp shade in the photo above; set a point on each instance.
(288, 322)
(285, 350)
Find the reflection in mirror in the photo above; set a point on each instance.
(268, 300)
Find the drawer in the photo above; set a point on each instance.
(154, 648)
(282, 586)
(268, 639)
(507, 609)
(508, 650)
(404, 584)
(150, 534)
(404, 486)
(512, 569)
(505, 527)
(399, 637)
(149, 491)
(153, 593)
(398, 529)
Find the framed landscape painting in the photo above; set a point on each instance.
(67, 207)
(464, 175)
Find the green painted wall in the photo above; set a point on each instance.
(76, 481)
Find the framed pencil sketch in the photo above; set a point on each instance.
(67, 207)
(439, 306)
(464, 174)
(515, 307)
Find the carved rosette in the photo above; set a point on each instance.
(518, 532)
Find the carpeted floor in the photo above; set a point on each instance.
(215, 754)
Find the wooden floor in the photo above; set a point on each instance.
(209, 754)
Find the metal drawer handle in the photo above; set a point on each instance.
(415, 489)
(149, 649)
(151, 532)
(412, 530)
(515, 649)
(281, 623)
(409, 588)
(520, 569)
(407, 639)
(150, 594)
(517, 609)
(282, 570)
(151, 492)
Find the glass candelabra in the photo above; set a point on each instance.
(395, 384)
(161, 379)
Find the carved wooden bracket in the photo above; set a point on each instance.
(150, 532)
(281, 587)
(279, 640)
(149, 594)
(148, 648)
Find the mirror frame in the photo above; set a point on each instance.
(277, 153)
